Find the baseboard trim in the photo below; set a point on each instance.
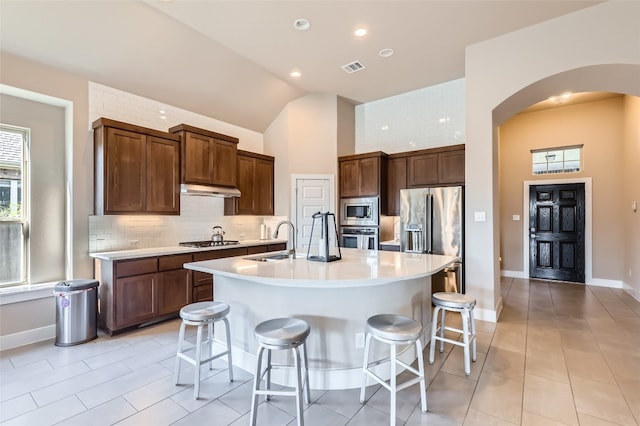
(632, 291)
(600, 282)
(512, 274)
(27, 337)
(488, 314)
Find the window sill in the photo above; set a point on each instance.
(25, 293)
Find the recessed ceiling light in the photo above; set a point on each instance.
(385, 53)
(301, 24)
(295, 74)
(360, 32)
(385, 127)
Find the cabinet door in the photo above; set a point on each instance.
(174, 291)
(451, 167)
(349, 178)
(263, 195)
(135, 299)
(198, 152)
(422, 170)
(396, 180)
(369, 177)
(124, 171)
(246, 185)
(163, 176)
(224, 165)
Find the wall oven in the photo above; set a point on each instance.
(359, 237)
(359, 211)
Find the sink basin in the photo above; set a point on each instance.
(273, 257)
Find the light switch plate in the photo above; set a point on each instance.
(480, 216)
(516, 217)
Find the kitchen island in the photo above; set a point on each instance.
(335, 298)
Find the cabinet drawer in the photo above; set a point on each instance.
(167, 263)
(256, 249)
(203, 293)
(127, 268)
(219, 254)
(202, 279)
(277, 247)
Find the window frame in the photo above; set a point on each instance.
(549, 152)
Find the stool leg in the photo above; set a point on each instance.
(268, 384)
(296, 364)
(176, 371)
(473, 334)
(210, 342)
(423, 386)
(256, 386)
(196, 383)
(465, 337)
(434, 332)
(392, 385)
(230, 361)
(365, 366)
(307, 395)
(442, 322)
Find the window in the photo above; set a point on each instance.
(13, 224)
(557, 160)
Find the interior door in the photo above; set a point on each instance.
(556, 234)
(312, 195)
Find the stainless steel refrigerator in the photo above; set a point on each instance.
(431, 221)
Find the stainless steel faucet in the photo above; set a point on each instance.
(292, 237)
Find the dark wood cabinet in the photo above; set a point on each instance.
(136, 169)
(364, 175)
(451, 167)
(396, 180)
(208, 158)
(255, 181)
(422, 170)
(174, 283)
(134, 300)
(203, 285)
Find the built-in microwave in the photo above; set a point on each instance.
(359, 211)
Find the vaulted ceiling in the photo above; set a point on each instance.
(231, 60)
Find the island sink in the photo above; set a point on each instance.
(269, 257)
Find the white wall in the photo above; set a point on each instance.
(425, 118)
(569, 46)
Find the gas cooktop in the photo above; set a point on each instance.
(209, 243)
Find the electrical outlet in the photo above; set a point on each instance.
(359, 340)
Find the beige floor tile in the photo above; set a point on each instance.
(449, 396)
(591, 365)
(549, 398)
(505, 363)
(578, 340)
(483, 341)
(549, 364)
(587, 420)
(510, 340)
(477, 418)
(499, 397)
(601, 400)
(630, 388)
(622, 364)
(530, 419)
(455, 363)
(544, 339)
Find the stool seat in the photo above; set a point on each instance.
(204, 311)
(394, 327)
(282, 331)
(453, 300)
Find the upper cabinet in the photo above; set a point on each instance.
(255, 182)
(363, 175)
(137, 170)
(396, 180)
(208, 158)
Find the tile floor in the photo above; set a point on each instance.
(561, 354)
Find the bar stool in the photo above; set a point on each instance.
(281, 334)
(394, 330)
(454, 302)
(200, 314)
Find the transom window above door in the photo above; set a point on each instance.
(565, 159)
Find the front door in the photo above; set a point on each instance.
(556, 237)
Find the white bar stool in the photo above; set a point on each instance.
(201, 314)
(281, 334)
(394, 330)
(454, 302)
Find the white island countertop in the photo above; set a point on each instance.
(357, 268)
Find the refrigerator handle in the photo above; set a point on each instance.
(429, 224)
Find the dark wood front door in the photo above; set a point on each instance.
(556, 233)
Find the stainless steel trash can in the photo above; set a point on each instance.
(76, 311)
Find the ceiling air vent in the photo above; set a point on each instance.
(353, 67)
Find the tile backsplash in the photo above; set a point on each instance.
(198, 215)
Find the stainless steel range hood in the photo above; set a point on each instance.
(210, 191)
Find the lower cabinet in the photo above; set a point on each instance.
(134, 300)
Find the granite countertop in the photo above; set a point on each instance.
(357, 268)
(163, 251)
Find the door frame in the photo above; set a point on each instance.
(588, 217)
(294, 194)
